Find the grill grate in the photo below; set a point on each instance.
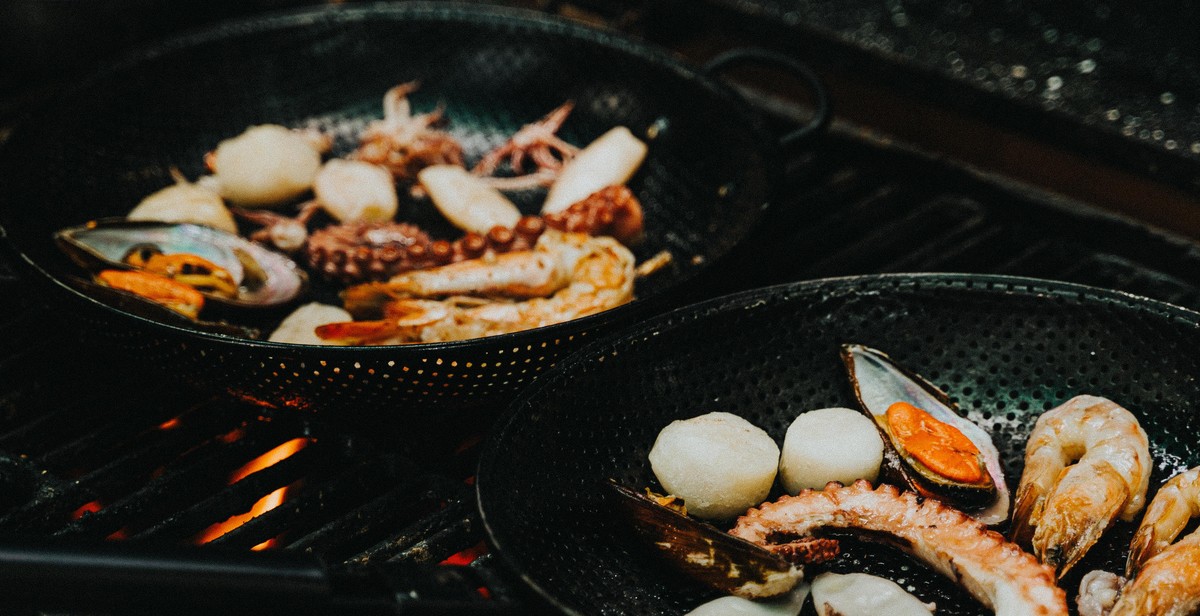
(89, 451)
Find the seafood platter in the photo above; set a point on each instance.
(899, 444)
(403, 202)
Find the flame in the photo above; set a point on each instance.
(264, 504)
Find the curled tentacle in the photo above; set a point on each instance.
(997, 573)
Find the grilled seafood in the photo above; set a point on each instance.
(161, 290)
(265, 165)
(565, 276)
(363, 251)
(1062, 509)
(537, 142)
(1164, 579)
(347, 190)
(184, 201)
(610, 160)
(997, 573)
(228, 269)
(612, 210)
(898, 400)
(403, 143)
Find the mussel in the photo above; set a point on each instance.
(969, 477)
(704, 552)
(245, 276)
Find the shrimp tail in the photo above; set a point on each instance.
(1074, 520)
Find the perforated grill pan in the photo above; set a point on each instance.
(101, 147)
(1005, 349)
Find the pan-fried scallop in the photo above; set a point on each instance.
(718, 463)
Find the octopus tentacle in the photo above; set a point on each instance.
(997, 573)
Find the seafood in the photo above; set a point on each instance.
(582, 275)
(608, 161)
(299, 326)
(612, 210)
(184, 201)
(243, 274)
(720, 464)
(926, 465)
(467, 201)
(356, 252)
(161, 290)
(353, 190)
(997, 573)
(1062, 508)
(710, 555)
(831, 444)
(265, 165)
(861, 594)
(1163, 577)
(403, 143)
(537, 142)
(347, 190)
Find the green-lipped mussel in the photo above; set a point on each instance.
(879, 384)
(257, 278)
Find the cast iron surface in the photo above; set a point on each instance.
(101, 147)
(1005, 349)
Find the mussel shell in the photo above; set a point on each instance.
(265, 278)
(704, 552)
(142, 307)
(878, 383)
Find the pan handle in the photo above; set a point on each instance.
(822, 111)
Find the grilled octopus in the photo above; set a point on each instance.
(997, 573)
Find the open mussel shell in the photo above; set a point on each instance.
(704, 552)
(265, 278)
(878, 383)
(142, 307)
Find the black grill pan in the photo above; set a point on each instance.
(1004, 348)
(99, 148)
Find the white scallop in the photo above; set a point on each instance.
(833, 444)
(265, 165)
(737, 606)
(718, 463)
(860, 594)
(299, 327)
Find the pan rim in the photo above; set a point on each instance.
(423, 10)
(1017, 285)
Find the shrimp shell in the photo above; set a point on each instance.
(1061, 508)
(997, 573)
(1165, 580)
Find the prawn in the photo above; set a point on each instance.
(1086, 463)
(565, 276)
(1165, 579)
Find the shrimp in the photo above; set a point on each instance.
(1086, 463)
(565, 276)
(1164, 577)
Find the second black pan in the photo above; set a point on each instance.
(1006, 349)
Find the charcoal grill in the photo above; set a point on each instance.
(92, 454)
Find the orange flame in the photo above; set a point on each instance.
(264, 504)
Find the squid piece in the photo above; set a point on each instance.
(466, 200)
(997, 573)
(610, 160)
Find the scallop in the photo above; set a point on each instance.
(860, 594)
(737, 606)
(833, 444)
(265, 165)
(718, 463)
(184, 201)
(300, 326)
